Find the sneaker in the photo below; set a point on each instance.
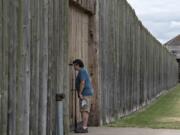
(81, 130)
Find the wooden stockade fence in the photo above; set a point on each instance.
(129, 66)
(135, 67)
(33, 65)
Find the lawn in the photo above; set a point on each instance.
(162, 113)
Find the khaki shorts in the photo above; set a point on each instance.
(87, 107)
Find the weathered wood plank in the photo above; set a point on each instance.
(26, 65)
(12, 68)
(43, 65)
(51, 63)
(4, 87)
(65, 70)
(20, 73)
(1, 52)
(23, 69)
(34, 94)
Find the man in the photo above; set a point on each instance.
(85, 92)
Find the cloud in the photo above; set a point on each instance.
(175, 24)
(161, 18)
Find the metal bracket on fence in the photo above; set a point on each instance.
(59, 119)
(60, 97)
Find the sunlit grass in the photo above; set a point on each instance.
(163, 113)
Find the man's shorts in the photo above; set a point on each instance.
(85, 104)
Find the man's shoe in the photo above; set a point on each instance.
(81, 130)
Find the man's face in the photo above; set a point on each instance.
(76, 67)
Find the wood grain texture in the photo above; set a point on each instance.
(1, 51)
(4, 68)
(12, 68)
(35, 50)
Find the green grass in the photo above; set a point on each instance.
(162, 113)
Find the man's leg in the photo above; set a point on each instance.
(85, 116)
(84, 128)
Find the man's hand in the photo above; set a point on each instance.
(80, 96)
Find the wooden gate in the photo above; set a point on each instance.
(78, 48)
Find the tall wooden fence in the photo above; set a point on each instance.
(135, 67)
(33, 65)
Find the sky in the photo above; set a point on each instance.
(160, 17)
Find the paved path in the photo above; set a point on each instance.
(129, 131)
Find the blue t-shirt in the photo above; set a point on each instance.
(84, 76)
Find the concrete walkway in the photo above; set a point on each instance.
(129, 131)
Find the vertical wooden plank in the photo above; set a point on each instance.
(120, 49)
(1, 44)
(101, 4)
(60, 62)
(26, 61)
(53, 70)
(98, 63)
(20, 72)
(70, 59)
(123, 57)
(74, 57)
(138, 65)
(117, 64)
(65, 69)
(4, 60)
(117, 83)
(23, 69)
(135, 90)
(34, 94)
(141, 65)
(12, 68)
(94, 67)
(146, 67)
(110, 47)
(132, 59)
(112, 58)
(128, 60)
(87, 30)
(43, 74)
(51, 62)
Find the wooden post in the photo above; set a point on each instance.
(35, 68)
(1, 51)
(4, 67)
(43, 65)
(12, 68)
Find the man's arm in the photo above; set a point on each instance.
(82, 84)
